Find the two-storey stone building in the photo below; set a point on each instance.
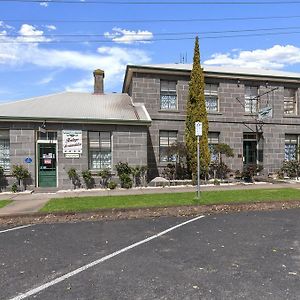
(256, 112)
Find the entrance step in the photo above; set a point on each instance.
(45, 189)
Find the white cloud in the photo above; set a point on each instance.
(50, 27)
(125, 36)
(276, 57)
(44, 4)
(112, 60)
(29, 33)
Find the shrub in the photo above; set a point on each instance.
(3, 180)
(219, 170)
(169, 172)
(291, 168)
(74, 177)
(126, 181)
(105, 175)
(123, 168)
(14, 187)
(21, 174)
(216, 182)
(88, 179)
(112, 185)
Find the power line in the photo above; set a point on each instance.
(145, 40)
(158, 2)
(156, 34)
(151, 20)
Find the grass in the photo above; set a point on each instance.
(81, 204)
(4, 202)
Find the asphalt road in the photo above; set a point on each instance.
(253, 255)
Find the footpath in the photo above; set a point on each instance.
(31, 202)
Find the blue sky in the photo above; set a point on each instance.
(50, 64)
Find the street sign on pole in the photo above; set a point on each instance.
(198, 128)
(198, 133)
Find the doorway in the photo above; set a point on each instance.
(47, 165)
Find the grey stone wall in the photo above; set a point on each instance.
(129, 144)
(229, 121)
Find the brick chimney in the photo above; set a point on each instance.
(98, 81)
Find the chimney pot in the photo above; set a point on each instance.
(98, 81)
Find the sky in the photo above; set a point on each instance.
(54, 46)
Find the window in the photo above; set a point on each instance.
(211, 97)
(4, 150)
(47, 136)
(290, 147)
(213, 139)
(168, 95)
(166, 139)
(290, 101)
(99, 150)
(251, 93)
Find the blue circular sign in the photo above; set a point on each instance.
(28, 160)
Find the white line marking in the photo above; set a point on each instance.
(15, 228)
(98, 261)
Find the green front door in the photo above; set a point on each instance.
(47, 165)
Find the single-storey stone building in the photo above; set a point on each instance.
(51, 134)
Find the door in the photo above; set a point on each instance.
(250, 152)
(47, 165)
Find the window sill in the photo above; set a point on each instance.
(214, 113)
(291, 116)
(251, 114)
(169, 111)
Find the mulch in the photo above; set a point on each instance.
(139, 213)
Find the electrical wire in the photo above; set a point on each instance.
(151, 20)
(158, 2)
(4, 41)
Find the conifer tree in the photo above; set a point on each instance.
(196, 112)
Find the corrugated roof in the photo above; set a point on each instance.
(227, 69)
(77, 106)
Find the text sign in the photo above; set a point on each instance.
(198, 128)
(72, 141)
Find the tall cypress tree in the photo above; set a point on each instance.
(196, 112)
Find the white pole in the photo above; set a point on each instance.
(198, 167)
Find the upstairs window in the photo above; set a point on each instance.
(99, 150)
(211, 97)
(4, 150)
(290, 147)
(290, 101)
(166, 139)
(168, 95)
(251, 93)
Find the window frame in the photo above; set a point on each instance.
(251, 98)
(99, 151)
(294, 101)
(289, 140)
(170, 159)
(168, 93)
(211, 143)
(209, 93)
(5, 151)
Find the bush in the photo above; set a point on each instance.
(21, 174)
(14, 187)
(123, 168)
(291, 168)
(105, 175)
(88, 179)
(216, 182)
(112, 185)
(126, 181)
(74, 177)
(219, 170)
(3, 180)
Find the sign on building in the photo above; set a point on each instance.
(265, 113)
(72, 141)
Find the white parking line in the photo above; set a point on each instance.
(15, 228)
(98, 261)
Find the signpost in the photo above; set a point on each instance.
(198, 133)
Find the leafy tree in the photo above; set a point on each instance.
(196, 112)
(222, 149)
